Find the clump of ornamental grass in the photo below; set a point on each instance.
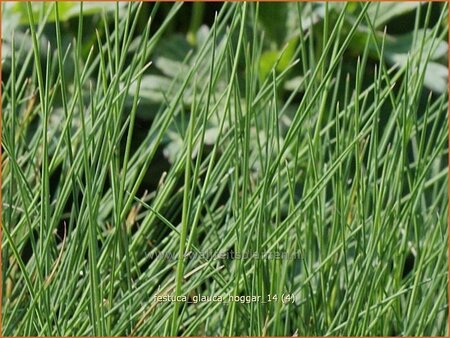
(328, 203)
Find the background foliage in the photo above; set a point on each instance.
(131, 130)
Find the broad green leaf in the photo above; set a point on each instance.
(169, 67)
(382, 12)
(174, 47)
(67, 10)
(398, 47)
(153, 88)
(403, 44)
(436, 77)
(281, 58)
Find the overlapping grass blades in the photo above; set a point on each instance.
(347, 174)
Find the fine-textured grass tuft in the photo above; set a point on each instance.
(321, 195)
